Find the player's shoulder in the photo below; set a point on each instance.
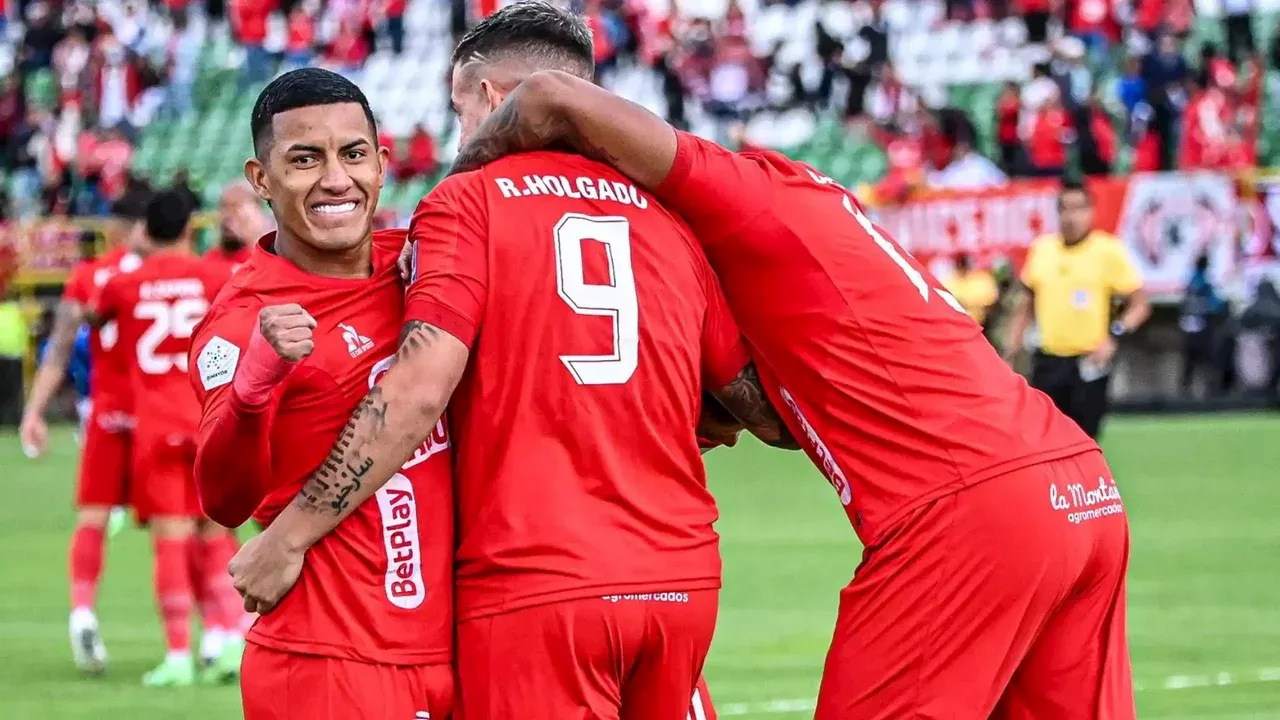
(1045, 243)
(1106, 240)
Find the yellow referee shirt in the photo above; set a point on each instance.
(1075, 287)
(976, 291)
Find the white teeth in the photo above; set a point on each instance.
(335, 209)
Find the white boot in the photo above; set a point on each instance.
(87, 649)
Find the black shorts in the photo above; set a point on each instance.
(1059, 378)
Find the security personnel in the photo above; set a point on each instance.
(1073, 281)
(975, 290)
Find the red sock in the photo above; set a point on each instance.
(226, 548)
(173, 591)
(85, 565)
(212, 614)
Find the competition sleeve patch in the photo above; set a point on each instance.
(217, 363)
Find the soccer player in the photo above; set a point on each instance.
(288, 350)
(993, 582)
(241, 222)
(574, 324)
(155, 308)
(103, 479)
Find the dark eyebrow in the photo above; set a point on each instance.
(299, 147)
(353, 145)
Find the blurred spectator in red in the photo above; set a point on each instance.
(299, 48)
(391, 16)
(1204, 126)
(388, 141)
(1097, 138)
(1050, 133)
(953, 162)
(349, 47)
(117, 81)
(605, 52)
(1095, 23)
(249, 28)
(905, 153)
(107, 156)
(1008, 109)
(420, 159)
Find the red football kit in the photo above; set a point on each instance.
(996, 540)
(367, 631)
(587, 566)
(104, 462)
(155, 308)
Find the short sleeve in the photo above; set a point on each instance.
(449, 269)
(1123, 275)
(723, 352)
(712, 188)
(107, 302)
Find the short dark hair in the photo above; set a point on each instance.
(1074, 186)
(132, 205)
(306, 87)
(534, 31)
(167, 216)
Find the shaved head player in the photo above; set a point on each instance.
(572, 324)
(993, 583)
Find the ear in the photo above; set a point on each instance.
(256, 173)
(493, 96)
(384, 157)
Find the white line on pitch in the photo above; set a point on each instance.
(1173, 682)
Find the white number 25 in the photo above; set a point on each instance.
(616, 300)
(176, 319)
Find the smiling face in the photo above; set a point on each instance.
(321, 171)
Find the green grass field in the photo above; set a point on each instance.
(1204, 591)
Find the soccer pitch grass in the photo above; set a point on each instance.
(1204, 590)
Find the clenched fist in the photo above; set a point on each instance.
(288, 329)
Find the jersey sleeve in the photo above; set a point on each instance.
(713, 189)
(449, 266)
(233, 447)
(723, 352)
(108, 301)
(1122, 273)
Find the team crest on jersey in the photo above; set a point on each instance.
(217, 363)
(357, 344)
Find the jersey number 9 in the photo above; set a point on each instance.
(174, 319)
(616, 300)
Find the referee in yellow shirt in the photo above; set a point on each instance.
(1073, 281)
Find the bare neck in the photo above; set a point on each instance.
(353, 263)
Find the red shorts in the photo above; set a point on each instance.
(1004, 600)
(626, 657)
(164, 482)
(277, 685)
(105, 463)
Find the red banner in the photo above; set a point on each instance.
(1166, 219)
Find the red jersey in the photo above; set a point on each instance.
(890, 387)
(1047, 147)
(379, 587)
(578, 471)
(230, 259)
(109, 360)
(156, 307)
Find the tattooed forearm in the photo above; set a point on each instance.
(516, 126)
(343, 471)
(415, 337)
(62, 336)
(744, 397)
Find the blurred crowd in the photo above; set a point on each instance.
(79, 79)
